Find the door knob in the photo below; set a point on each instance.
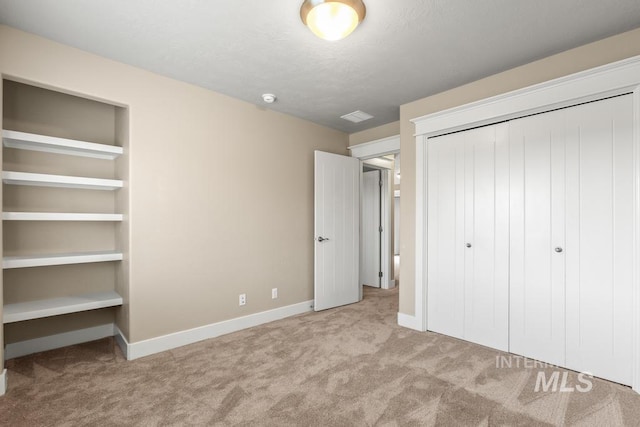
(322, 239)
(468, 245)
(558, 249)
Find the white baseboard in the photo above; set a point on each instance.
(154, 345)
(122, 342)
(3, 382)
(178, 339)
(388, 284)
(51, 342)
(408, 321)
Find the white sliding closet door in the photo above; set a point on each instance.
(599, 237)
(468, 235)
(537, 286)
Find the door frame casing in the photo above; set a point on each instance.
(376, 148)
(370, 150)
(613, 79)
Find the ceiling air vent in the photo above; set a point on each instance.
(357, 116)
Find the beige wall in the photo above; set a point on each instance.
(220, 191)
(599, 53)
(379, 132)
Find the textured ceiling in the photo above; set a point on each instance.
(403, 51)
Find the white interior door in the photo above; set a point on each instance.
(337, 230)
(599, 238)
(370, 267)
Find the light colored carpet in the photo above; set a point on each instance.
(348, 366)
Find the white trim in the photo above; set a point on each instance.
(635, 316)
(420, 303)
(608, 80)
(178, 339)
(51, 342)
(601, 82)
(3, 382)
(379, 147)
(408, 321)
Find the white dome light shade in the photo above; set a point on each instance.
(332, 20)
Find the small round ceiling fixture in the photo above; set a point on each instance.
(332, 19)
(269, 98)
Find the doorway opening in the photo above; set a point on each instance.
(380, 157)
(377, 251)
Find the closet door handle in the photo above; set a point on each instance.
(468, 245)
(558, 249)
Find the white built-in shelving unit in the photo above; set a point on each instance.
(17, 312)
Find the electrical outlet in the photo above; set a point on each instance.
(242, 299)
(274, 293)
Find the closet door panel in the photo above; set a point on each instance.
(445, 235)
(599, 238)
(487, 231)
(537, 291)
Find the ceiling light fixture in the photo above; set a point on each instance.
(332, 19)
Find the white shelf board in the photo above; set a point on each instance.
(59, 259)
(57, 306)
(51, 144)
(43, 180)
(55, 216)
